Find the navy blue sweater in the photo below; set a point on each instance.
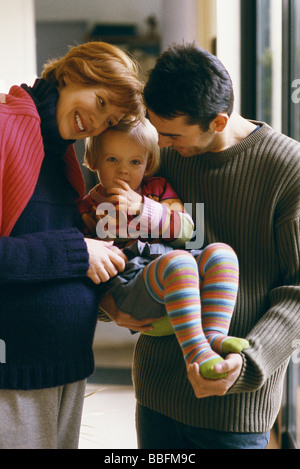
(48, 308)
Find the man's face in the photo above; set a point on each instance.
(186, 139)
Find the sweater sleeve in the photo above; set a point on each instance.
(51, 255)
(276, 336)
(163, 216)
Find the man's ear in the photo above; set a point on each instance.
(219, 123)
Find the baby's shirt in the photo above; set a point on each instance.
(162, 217)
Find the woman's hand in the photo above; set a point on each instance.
(105, 260)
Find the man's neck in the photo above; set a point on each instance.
(236, 130)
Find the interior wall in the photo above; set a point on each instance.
(100, 11)
(179, 22)
(218, 31)
(17, 43)
(229, 42)
(207, 24)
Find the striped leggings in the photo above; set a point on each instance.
(199, 296)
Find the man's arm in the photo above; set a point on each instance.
(273, 338)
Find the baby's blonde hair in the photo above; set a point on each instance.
(143, 132)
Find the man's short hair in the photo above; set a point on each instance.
(188, 80)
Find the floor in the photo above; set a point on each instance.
(109, 406)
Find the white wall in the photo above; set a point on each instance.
(17, 43)
(179, 21)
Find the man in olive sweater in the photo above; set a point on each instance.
(247, 176)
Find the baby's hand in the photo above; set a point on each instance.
(124, 198)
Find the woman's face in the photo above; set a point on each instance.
(85, 111)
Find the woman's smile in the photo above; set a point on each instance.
(79, 123)
(84, 111)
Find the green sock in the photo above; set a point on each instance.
(207, 369)
(224, 344)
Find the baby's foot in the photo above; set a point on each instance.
(224, 344)
(233, 345)
(207, 369)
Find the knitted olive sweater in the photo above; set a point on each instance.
(251, 196)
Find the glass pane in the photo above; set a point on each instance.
(295, 133)
(269, 51)
(293, 397)
(298, 405)
(295, 72)
(295, 124)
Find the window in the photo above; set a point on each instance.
(292, 115)
(295, 70)
(295, 132)
(270, 73)
(269, 53)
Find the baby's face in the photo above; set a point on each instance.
(123, 158)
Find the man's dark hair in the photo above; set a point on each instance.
(187, 80)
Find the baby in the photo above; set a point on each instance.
(152, 228)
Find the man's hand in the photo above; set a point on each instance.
(105, 260)
(216, 387)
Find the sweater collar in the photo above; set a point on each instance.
(45, 97)
(218, 158)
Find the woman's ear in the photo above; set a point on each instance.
(65, 80)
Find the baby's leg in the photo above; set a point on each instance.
(219, 277)
(173, 279)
